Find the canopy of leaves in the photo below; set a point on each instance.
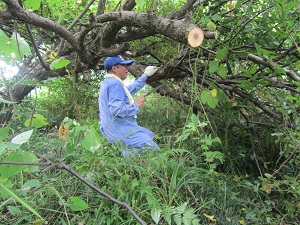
(250, 52)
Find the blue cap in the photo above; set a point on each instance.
(112, 61)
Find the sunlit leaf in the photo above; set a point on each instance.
(36, 121)
(77, 204)
(32, 4)
(205, 95)
(216, 17)
(242, 221)
(211, 26)
(32, 183)
(209, 98)
(140, 3)
(91, 141)
(22, 138)
(3, 41)
(8, 171)
(292, 4)
(155, 215)
(214, 92)
(59, 63)
(17, 48)
(4, 146)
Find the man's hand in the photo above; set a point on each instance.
(150, 70)
(140, 101)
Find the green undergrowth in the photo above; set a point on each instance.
(211, 169)
(172, 186)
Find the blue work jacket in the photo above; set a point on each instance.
(118, 117)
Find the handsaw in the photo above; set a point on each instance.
(153, 90)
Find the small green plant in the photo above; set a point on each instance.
(181, 214)
(200, 142)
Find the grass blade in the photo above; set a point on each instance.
(12, 194)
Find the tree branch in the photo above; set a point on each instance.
(249, 97)
(154, 24)
(271, 65)
(35, 47)
(86, 8)
(31, 18)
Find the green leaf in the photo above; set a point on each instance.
(4, 146)
(292, 5)
(268, 175)
(211, 26)
(91, 141)
(212, 102)
(32, 4)
(151, 200)
(36, 121)
(13, 209)
(221, 54)
(3, 41)
(140, 3)
(32, 183)
(205, 95)
(216, 17)
(70, 148)
(194, 122)
(16, 197)
(155, 215)
(22, 138)
(8, 171)
(213, 66)
(78, 129)
(208, 97)
(222, 71)
(16, 49)
(4, 133)
(253, 69)
(59, 63)
(134, 183)
(78, 204)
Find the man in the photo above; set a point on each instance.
(118, 109)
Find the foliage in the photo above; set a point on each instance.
(173, 186)
(229, 140)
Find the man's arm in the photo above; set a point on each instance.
(141, 81)
(137, 84)
(117, 104)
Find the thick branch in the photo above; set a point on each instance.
(175, 29)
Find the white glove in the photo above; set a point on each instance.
(150, 70)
